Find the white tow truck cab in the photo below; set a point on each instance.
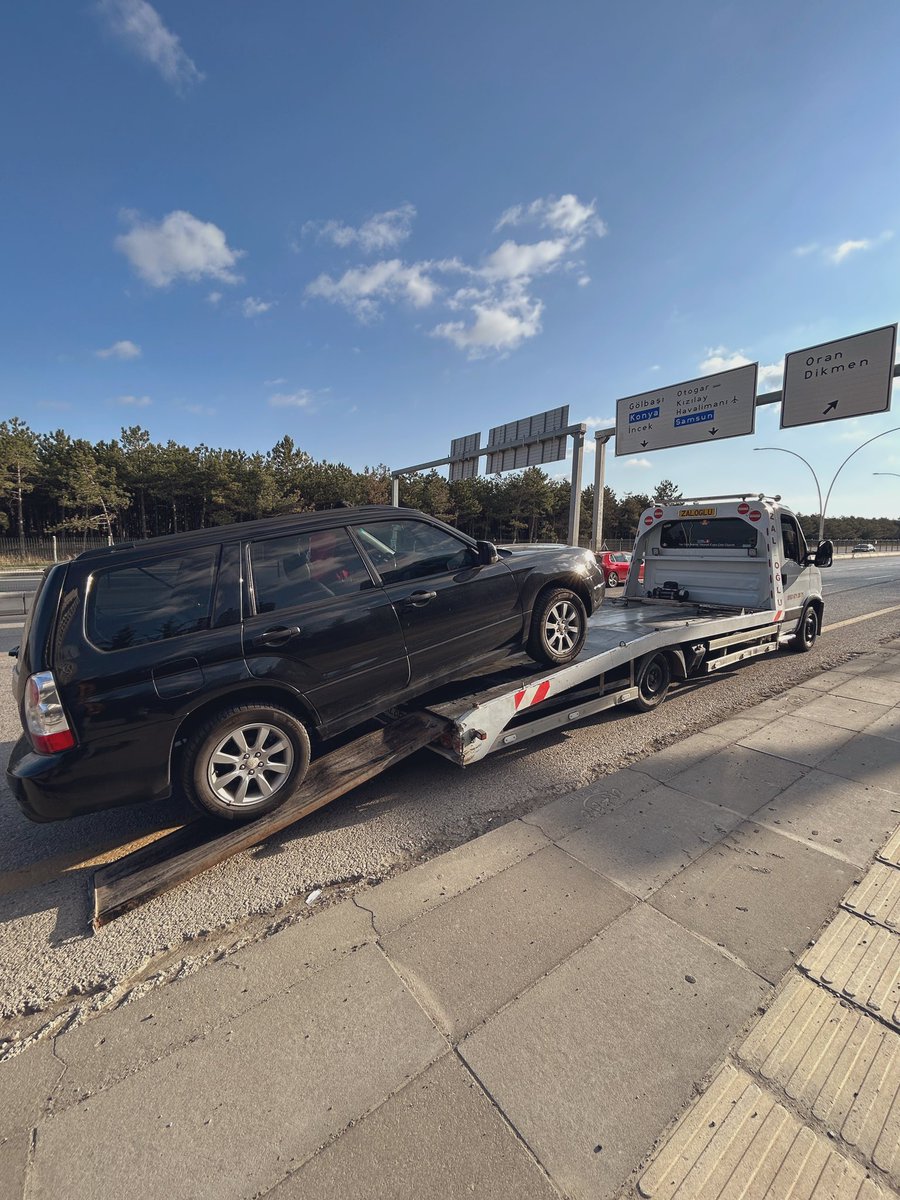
(725, 578)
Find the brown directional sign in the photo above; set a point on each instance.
(848, 377)
(465, 468)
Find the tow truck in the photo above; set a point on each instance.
(724, 579)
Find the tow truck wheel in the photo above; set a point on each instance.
(653, 679)
(245, 761)
(807, 631)
(558, 627)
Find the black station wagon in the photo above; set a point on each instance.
(212, 662)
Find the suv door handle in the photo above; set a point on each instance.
(278, 635)
(419, 599)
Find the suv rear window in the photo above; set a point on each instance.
(152, 601)
(717, 533)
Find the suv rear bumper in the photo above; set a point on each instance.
(52, 787)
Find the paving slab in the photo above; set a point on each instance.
(834, 814)
(890, 852)
(14, 1165)
(782, 705)
(735, 728)
(870, 760)
(877, 896)
(868, 664)
(109, 1047)
(841, 712)
(876, 688)
(860, 961)
(440, 1136)
(799, 741)
(570, 812)
(665, 764)
(228, 1115)
(415, 892)
(737, 1141)
(27, 1084)
(477, 952)
(827, 680)
(837, 1064)
(759, 894)
(739, 778)
(887, 726)
(650, 839)
(592, 1063)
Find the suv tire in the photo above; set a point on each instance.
(245, 761)
(558, 627)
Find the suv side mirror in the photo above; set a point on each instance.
(487, 553)
(824, 555)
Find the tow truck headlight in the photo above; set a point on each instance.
(45, 719)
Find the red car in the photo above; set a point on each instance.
(615, 565)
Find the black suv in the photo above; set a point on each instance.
(208, 662)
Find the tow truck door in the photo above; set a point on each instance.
(797, 579)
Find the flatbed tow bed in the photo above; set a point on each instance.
(634, 648)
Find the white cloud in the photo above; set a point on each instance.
(253, 307)
(497, 327)
(656, 367)
(515, 261)
(279, 382)
(498, 311)
(564, 214)
(361, 288)
(123, 349)
(134, 401)
(178, 247)
(139, 26)
(639, 462)
(843, 250)
(600, 422)
(382, 231)
(302, 398)
(200, 410)
(214, 298)
(719, 358)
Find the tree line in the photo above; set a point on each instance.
(132, 487)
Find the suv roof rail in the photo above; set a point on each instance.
(103, 551)
(730, 496)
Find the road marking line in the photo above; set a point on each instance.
(881, 612)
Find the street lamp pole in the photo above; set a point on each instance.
(781, 450)
(847, 459)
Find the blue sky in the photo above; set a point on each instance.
(379, 226)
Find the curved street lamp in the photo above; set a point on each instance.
(823, 507)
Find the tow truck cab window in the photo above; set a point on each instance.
(792, 540)
(713, 533)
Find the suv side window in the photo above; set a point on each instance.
(404, 550)
(792, 539)
(151, 601)
(303, 569)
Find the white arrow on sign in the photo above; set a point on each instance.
(849, 377)
(707, 409)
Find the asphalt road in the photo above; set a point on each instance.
(51, 963)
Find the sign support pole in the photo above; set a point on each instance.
(395, 491)
(577, 472)
(599, 486)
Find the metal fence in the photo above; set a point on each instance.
(42, 550)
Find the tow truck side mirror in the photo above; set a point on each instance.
(824, 555)
(487, 553)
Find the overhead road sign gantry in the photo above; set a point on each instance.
(529, 442)
(464, 455)
(707, 409)
(849, 377)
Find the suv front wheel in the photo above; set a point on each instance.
(245, 761)
(558, 627)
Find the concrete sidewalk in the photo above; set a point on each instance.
(529, 1015)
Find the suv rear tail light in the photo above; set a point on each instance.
(44, 717)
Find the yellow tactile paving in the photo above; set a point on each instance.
(861, 961)
(877, 896)
(736, 1142)
(891, 852)
(837, 1063)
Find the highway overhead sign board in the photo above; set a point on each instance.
(467, 467)
(529, 442)
(701, 410)
(848, 377)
